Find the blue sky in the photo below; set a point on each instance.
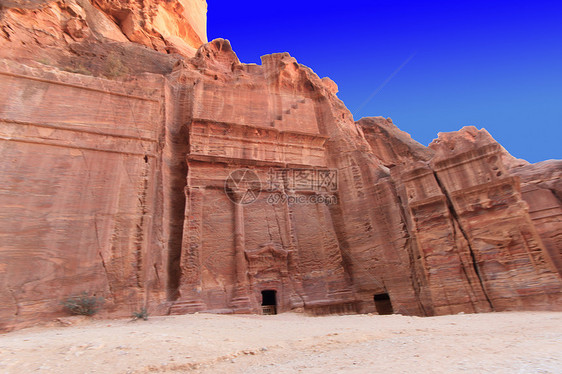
(492, 64)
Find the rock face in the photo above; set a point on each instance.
(187, 184)
(391, 145)
(94, 37)
(474, 230)
(541, 187)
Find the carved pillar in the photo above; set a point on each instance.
(190, 300)
(241, 301)
(295, 282)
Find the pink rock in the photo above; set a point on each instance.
(187, 184)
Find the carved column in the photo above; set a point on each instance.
(241, 301)
(190, 300)
(295, 281)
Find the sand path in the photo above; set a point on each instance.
(522, 342)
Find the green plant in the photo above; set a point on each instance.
(77, 69)
(44, 61)
(114, 67)
(83, 304)
(141, 314)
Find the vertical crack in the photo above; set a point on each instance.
(139, 235)
(177, 140)
(455, 217)
(104, 265)
(556, 195)
(156, 273)
(107, 274)
(414, 282)
(16, 303)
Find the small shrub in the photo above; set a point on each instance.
(78, 69)
(141, 314)
(114, 67)
(44, 61)
(83, 304)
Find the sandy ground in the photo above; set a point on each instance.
(524, 342)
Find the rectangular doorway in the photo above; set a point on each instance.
(383, 304)
(269, 302)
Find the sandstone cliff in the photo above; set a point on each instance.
(125, 178)
(94, 37)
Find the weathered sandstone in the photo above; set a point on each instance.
(94, 37)
(136, 188)
(541, 187)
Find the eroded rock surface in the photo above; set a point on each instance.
(133, 187)
(390, 144)
(541, 187)
(112, 38)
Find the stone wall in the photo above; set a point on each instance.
(135, 190)
(79, 171)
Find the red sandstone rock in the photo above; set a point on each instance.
(117, 186)
(177, 26)
(468, 138)
(541, 187)
(94, 37)
(391, 145)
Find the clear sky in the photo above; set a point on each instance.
(492, 64)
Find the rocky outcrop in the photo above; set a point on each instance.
(94, 37)
(166, 26)
(541, 187)
(390, 144)
(185, 184)
(509, 256)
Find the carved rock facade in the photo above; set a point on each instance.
(208, 184)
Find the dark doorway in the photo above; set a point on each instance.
(269, 302)
(383, 304)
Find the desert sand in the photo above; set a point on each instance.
(518, 342)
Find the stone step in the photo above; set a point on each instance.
(186, 307)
